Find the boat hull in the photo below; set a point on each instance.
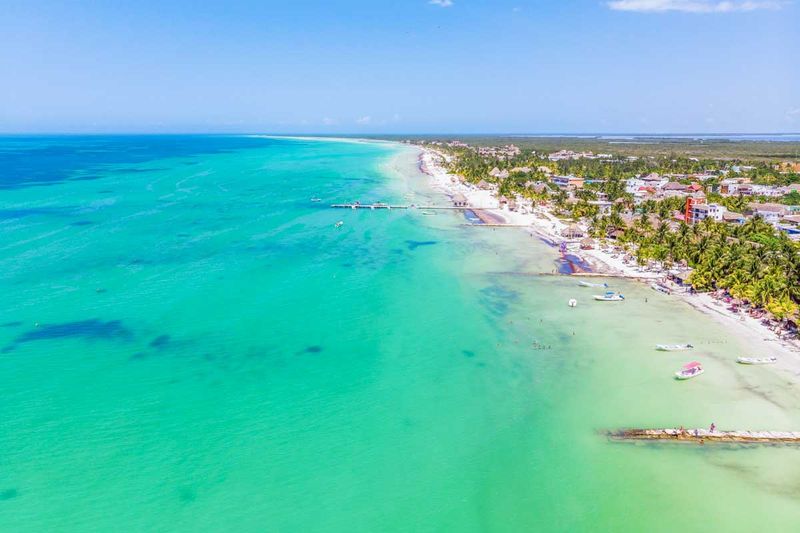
(673, 348)
(683, 377)
(757, 361)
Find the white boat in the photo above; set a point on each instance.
(689, 371)
(610, 296)
(757, 360)
(573, 302)
(588, 284)
(660, 288)
(673, 347)
(429, 213)
(339, 224)
(315, 199)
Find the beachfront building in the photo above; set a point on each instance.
(459, 200)
(673, 189)
(633, 184)
(733, 218)
(770, 212)
(702, 211)
(767, 190)
(731, 186)
(568, 182)
(651, 181)
(643, 194)
(573, 231)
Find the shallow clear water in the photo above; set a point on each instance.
(190, 345)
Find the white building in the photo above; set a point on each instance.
(702, 211)
(767, 190)
(771, 213)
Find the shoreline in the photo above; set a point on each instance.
(540, 222)
(536, 220)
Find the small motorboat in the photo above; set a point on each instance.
(315, 199)
(660, 288)
(757, 360)
(673, 347)
(429, 213)
(339, 224)
(609, 296)
(588, 284)
(573, 302)
(689, 370)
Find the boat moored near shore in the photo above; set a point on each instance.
(609, 296)
(757, 360)
(689, 371)
(673, 347)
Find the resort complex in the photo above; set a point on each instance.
(728, 227)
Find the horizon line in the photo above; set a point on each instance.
(373, 134)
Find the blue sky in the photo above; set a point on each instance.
(374, 66)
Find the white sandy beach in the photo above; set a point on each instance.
(539, 221)
(536, 219)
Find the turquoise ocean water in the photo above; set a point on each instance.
(189, 344)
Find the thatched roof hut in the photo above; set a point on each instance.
(573, 231)
(459, 200)
(616, 233)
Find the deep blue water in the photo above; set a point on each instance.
(27, 161)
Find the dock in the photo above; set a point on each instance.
(484, 225)
(702, 436)
(408, 206)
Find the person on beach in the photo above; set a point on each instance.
(713, 427)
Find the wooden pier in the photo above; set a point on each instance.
(484, 225)
(701, 436)
(409, 206)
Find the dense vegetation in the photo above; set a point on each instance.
(608, 175)
(718, 148)
(753, 261)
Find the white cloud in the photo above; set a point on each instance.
(694, 6)
(364, 120)
(329, 121)
(441, 3)
(793, 114)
